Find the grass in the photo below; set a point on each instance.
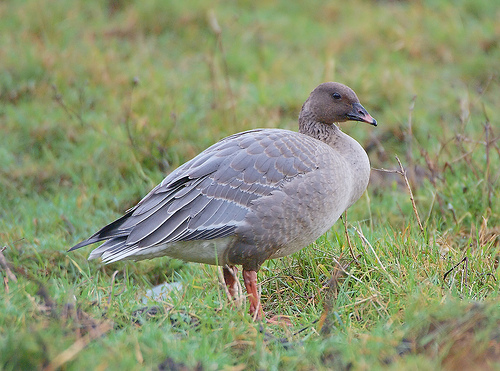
(100, 99)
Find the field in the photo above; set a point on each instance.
(99, 100)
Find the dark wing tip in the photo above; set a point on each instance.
(86, 242)
(109, 231)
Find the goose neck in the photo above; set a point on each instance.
(310, 125)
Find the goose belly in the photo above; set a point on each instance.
(198, 251)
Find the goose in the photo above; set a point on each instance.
(256, 195)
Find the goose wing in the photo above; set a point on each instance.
(209, 196)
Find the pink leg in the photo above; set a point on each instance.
(230, 278)
(250, 279)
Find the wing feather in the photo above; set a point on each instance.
(209, 196)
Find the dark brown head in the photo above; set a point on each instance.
(333, 102)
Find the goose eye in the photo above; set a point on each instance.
(336, 96)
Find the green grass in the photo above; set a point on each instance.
(99, 100)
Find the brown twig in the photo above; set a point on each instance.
(412, 199)
(387, 170)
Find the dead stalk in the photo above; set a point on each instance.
(465, 277)
(69, 111)
(112, 287)
(464, 259)
(217, 30)
(128, 114)
(78, 346)
(344, 221)
(5, 266)
(412, 199)
(331, 293)
(487, 132)
(365, 242)
(239, 297)
(409, 139)
(133, 144)
(220, 276)
(433, 176)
